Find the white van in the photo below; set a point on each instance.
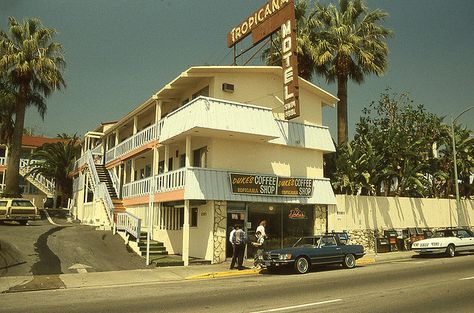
(20, 210)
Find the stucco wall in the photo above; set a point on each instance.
(259, 89)
(265, 158)
(362, 212)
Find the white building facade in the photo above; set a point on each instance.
(209, 150)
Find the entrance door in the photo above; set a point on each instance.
(233, 218)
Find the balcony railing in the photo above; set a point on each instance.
(141, 138)
(2, 161)
(169, 181)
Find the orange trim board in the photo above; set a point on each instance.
(130, 154)
(158, 197)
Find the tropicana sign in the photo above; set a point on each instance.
(276, 14)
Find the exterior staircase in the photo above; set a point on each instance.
(39, 181)
(158, 254)
(105, 178)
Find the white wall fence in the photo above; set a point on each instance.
(363, 212)
(164, 182)
(92, 213)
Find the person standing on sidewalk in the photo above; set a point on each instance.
(239, 239)
(261, 229)
(234, 256)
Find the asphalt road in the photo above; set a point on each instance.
(415, 285)
(45, 249)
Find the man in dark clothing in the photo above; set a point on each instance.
(238, 240)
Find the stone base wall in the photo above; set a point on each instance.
(219, 231)
(364, 237)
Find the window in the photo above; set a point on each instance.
(463, 234)
(328, 242)
(182, 160)
(3, 203)
(22, 203)
(200, 157)
(194, 217)
(148, 170)
(170, 164)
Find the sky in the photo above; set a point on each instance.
(120, 52)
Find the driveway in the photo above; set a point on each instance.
(45, 249)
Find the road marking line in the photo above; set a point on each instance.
(467, 278)
(298, 306)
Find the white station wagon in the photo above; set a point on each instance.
(447, 241)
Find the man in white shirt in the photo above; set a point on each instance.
(261, 229)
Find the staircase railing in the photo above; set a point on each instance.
(129, 223)
(46, 185)
(100, 189)
(115, 181)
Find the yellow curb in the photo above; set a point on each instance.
(365, 261)
(253, 271)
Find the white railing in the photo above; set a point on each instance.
(92, 170)
(129, 223)
(169, 181)
(2, 186)
(97, 150)
(115, 180)
(46, 185)
(80, 162)
(102, 193)
(141, 138)
(2, 161)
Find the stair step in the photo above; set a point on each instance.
(142, 243)
(166, 261)
(143, 253)
(153, 248)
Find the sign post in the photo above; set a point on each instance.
(275, 15)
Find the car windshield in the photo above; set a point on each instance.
(443, 233)
(306, 241)
(22, 203)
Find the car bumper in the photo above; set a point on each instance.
(277, 263)
(429, 250)
(20, 217)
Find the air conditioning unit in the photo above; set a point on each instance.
(228, 87)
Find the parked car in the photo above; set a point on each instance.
(308, 251)
(20, 210)
(447, 241)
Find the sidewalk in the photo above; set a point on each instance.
(152, 276)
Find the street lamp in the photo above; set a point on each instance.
(456, 184)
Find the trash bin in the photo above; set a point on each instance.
(383, 245)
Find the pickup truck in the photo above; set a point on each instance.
(20, 210)
(315, 250)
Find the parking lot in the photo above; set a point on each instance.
(42, 248)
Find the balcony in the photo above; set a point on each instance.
(214, 184)
(214, 118)
(143, 137)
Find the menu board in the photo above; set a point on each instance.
(271, 185)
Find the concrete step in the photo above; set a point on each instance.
(142, 243)
(143, 253)
(166, 261)
(153, 248)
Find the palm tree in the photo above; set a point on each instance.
(349, 43)
(57, 162)
(33, 65)
(7, 109)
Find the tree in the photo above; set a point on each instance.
(349, 43)
(57, 161)
(7, 99)
(32, 63)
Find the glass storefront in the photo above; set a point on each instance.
(285, 223)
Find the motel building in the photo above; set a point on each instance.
(207, 151)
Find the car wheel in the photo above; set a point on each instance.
(302, 265)
(451, 250)
(349, 261)
(23, 223)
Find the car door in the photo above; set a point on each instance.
(328, 251)
(465, 240)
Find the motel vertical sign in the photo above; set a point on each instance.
(275, 15)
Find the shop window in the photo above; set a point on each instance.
(200, 157)
(194, 217)
(203, 92)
